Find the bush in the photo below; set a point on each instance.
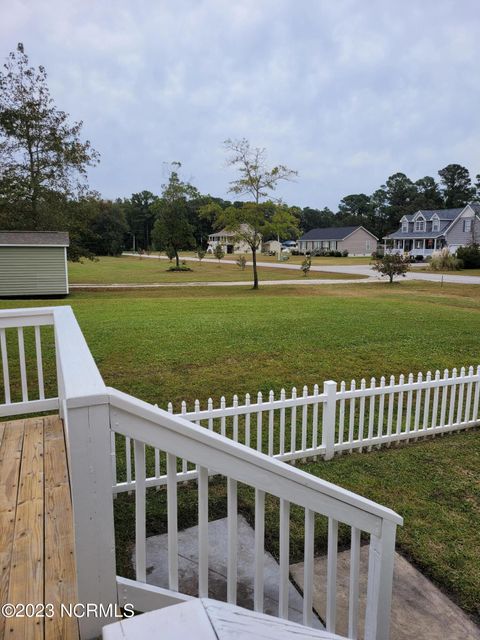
(470, 256)
(391, 265)
(345, 253)
(241, 262)
(181, 267)
(443, 260)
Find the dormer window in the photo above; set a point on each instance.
(419, 225)
(404, 226)
(435, 224)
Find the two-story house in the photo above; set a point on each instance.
(423, 232)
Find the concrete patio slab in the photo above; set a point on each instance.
(157, 567)
(420, 611)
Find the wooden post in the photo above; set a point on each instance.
(380, 576)
(329, 415)
(91, 480)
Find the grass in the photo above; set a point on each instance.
(130, 270)
(176, 344)
(316, 260)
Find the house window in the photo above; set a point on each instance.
(367, 245)
(404, 227)
(420, 225)
(467, 225)
(435, 224)
(429, 243)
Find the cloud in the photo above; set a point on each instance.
(345, 92)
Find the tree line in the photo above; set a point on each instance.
(43, 186)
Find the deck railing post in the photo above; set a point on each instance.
(329, 417)
(88, 429)
(380, 577)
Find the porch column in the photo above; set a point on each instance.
(424, 246)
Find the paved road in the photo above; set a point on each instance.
(359, 269)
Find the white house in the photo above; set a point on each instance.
(229, 241)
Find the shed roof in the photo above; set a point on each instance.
(34, 238)
(332, 233)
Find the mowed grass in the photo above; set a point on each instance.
(137, 270)
(316, 260)
(176, 344)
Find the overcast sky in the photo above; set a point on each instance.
(347, 92)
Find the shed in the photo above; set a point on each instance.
(33, 263)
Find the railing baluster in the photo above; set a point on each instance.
(453, 396)
(308, 560)
(210, 419)
(332, 574)
(293, 423)
(128, 460)
(351, 424)
(38, 351)
(371, 413)
(202, 532)
(426, 404)
(304, 419)
(284, 559)
(23, 369)
(271, 398)
(353, 592)
(6, 376)
(282, 424)
(140, 530)
(184, 462)
(172, 516)
(259, 550)
(113, 457)
(259, 422)
(157, 464)
(361, 419)
(232, 541)
(461, 393)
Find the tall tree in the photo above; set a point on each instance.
(428, 195)
(42, 158)
(356, 204)
(141, 217)
(456, 185)
(257, 181)
(172, 230)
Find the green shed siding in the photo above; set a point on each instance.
(33, 271)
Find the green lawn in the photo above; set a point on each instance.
(316, 260)
(177, 344)
(135, 270)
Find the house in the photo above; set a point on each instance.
(423, 232)
(272, 246)
(229, 241)
(356, 240)
(33, 263)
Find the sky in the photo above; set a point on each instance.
(346, 92)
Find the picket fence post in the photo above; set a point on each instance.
(329, 417)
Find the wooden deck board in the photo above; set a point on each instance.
(37, 559)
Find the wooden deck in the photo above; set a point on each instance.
(36, 529)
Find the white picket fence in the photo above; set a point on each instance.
(339, 419)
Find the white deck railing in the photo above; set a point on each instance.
(311, 425)
(95, 416)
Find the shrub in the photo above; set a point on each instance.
(218, 252)
(443, 260)
(391, 265)
(201, 253)
(470, 256)
(306, 265)
(241, 262)
(345, 253)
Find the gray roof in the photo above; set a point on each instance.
(443, 214)
(34, 238)
(331, 233)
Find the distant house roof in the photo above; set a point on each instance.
(332, 233)
(34, 238)
(244, 228)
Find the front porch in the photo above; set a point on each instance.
(415, 246)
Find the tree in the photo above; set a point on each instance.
(429, 195)
(42, 158)
(218, 252)
(201, 253)
(141, 217)
(284, 224)
(249, 222)
(391, 265)
(172, 230)
(306, 265)
(456, 186)
(356, 204)
(241, 262)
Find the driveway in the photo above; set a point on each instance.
(416, 273)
